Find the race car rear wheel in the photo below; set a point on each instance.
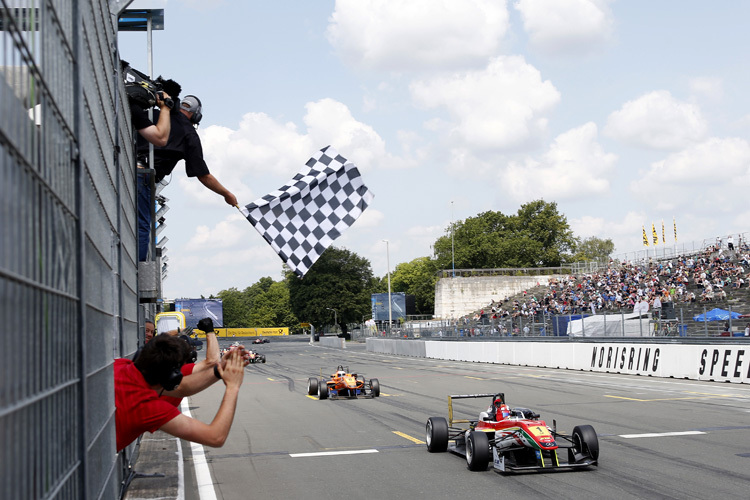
(375, 387)
(477, 451)
(322, 390)
(585, 441)
(263, 360)
(436, 434)
(312, 386)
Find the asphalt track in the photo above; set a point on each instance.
(659, 438)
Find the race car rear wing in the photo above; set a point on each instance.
(467, 396)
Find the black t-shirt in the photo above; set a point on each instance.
(183, 144)
(139, 117)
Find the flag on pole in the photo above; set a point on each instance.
(653, 232)
(674, 222)
(663, 238)
(645, 238)
(302, 218)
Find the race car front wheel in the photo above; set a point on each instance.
(585, 441)
(477, 451)
(375, 387)
(322, 390)
(436, 434)
(312, 386)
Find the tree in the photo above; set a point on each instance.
(272, 308)
(235, 308)
(536, 236)
(417, 278)
(593, 249)
(339, 280)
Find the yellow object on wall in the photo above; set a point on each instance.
(247, 332)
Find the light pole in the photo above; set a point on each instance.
(335, 316)
(388, 259)
(453, 252)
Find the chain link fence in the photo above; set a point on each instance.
(68, 275)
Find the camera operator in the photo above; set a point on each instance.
(157, 134)
(183, 144)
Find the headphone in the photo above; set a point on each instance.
(171, 379)
(197, 115)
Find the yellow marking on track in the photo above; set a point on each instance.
(705, 396)
(269, 378)
(389, 395)
(475, 378)
(406, 436)
(398, 368)
(311, 397)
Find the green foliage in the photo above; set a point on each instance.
(236, 308)
(593, 249)
(417, 278)
(536, 236)
(339, 280)
(263, 304)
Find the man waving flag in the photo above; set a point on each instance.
(302, 218)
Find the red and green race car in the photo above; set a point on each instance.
(513, 440)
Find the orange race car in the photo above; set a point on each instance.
(343, 384)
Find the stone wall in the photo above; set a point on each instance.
(456, 297)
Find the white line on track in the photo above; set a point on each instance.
(202, 474)
(331, 453)
(660, 434)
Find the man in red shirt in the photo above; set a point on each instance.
(156, 372)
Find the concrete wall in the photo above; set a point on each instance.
(455, 297)
(728, 362)
(332, 342)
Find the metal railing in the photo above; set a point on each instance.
(67, 251)
(681, 323)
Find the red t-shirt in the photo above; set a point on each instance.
(187, 369)
(138, 406)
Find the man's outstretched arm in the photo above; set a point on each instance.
(215, 433)
(214, 185)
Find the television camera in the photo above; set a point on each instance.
(143, 91)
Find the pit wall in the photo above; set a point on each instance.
(719, 363)
(458, 296)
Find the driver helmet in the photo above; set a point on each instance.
(502, 410)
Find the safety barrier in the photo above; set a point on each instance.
(719, 362)
(333, 342)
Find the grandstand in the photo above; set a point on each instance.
(690, 284)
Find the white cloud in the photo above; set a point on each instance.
(709, 177)
(711, 88)
(398, 36)
(575, 166)
(559, 27)
(502, 106)
(262, 147)
(625, 233)
(658, 121)
(227, 233)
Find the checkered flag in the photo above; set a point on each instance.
(301, 219)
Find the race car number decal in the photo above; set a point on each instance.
(539, 430)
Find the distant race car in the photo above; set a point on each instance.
(256, 357)
(512, 439)
(343, 384)
(261, 341)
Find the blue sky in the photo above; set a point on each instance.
(625, 113)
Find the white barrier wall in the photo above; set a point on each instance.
(332, 342)
(720, 362)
